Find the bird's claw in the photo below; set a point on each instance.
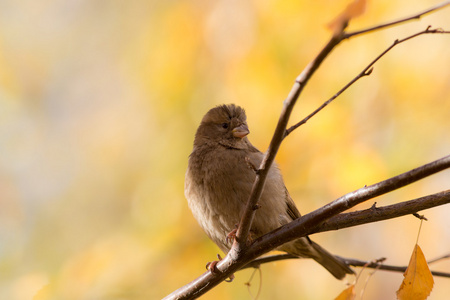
(230, 279)
(231, 236)
(212, 267)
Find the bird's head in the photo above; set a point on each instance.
(224, 124)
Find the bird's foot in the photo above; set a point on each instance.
(232, 236)
(211, 266)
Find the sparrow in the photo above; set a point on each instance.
(219, 181)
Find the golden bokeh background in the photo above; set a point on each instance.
(99, 102)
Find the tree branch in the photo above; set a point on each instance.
(350, 261)
(375, 214)
(380, 266)
(365, 72)
(393, 23)
(311, 222)
(249, 212)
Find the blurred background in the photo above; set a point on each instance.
(99, 103)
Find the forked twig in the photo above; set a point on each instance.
(350, 261)
(393, 23)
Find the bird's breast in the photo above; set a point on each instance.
(218, 185)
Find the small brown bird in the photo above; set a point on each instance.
(219, 181)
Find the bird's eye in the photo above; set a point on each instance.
(225, 125)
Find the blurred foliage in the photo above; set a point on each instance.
(99, 102)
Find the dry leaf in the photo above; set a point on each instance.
(347, 294)
(418, 281)
(354, 9)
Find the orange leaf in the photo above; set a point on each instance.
(354, 9)
(418, 281)
(347, 294)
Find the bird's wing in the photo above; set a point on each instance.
(291, 208)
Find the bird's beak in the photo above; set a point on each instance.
(240, 131)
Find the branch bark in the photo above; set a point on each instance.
(350, 261)
(380, 266)
(402, 20)
(365, 72)
(311, 222)
(375, 214)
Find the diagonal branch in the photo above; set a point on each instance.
(393, 23)
(375, 214)
(258, 185)
(311, 222)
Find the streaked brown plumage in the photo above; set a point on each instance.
(219, 181)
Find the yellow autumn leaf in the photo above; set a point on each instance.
(354, 9)
(418, 281)
(347, 294)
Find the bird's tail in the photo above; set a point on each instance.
(304, 247)
(334, 265)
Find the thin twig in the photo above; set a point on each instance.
(360, 263)
(248, 283)
(350, 261)
(393, 23)
(376, 261)
(439, 258)
(365, 72)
